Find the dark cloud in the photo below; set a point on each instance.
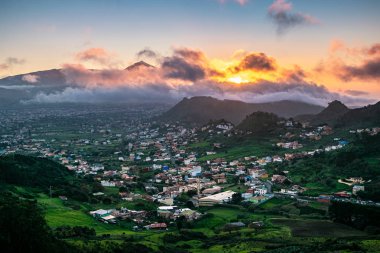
(296, 75)
(14, 60)
(356, 92)
(190, 54)
(178, 68)
(369, 70)
(148, 53)
(374, 49)
(10, 61)
(357, 63)
(281, 14)
(256, 61)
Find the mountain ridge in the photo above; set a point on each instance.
(201, 109)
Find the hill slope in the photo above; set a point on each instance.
(330, 114)
(200, 110)
(364, 116)
(259, 123)
(27, 171)
(339, 115)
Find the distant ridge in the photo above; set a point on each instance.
(14, 89)
(364, 116)
(339, 115)
(140, 64)
(200, 110)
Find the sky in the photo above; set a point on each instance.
(240, 44)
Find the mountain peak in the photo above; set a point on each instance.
(336, 107)
(330, 114)
(139, 64)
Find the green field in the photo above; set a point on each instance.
(317, 228)
(57, 214)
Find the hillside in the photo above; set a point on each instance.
(200, 110)
(259, 123)
(330, 114)
(339, 115)
(320, 173)
(40, 173)
(364, 116)
(51, 77)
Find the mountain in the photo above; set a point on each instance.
(330, 114)
(338, 115)
(200, 110)
(51, 77)
(14, 89)
(364, 116)
(139, 65)
(259, 123)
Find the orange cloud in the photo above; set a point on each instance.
(99, 56)
(353, 63)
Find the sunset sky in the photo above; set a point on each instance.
(334, 44)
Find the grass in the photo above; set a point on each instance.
(57, 214)
(235, 148)
(275, 202)
(317, 228)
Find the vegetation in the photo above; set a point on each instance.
(259, 123)
(321, 172)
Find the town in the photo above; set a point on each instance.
(176, 168)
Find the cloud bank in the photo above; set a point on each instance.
(247, 76)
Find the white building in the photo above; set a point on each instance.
(219, 198)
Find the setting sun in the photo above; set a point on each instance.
(236, 79)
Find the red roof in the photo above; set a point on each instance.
(158, 225)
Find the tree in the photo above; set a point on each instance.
(23, 228)
(236, 198)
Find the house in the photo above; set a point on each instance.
(166, 201)
(256, 224)
(357, 188)
(107, 183)
(189, 214)
(104, 215)
(234, 225)
(219, 198)
(63, 198)
(342, 194)
(213, 190)
(157, 226)
(278, 179)
(324, 198)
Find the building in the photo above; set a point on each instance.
(157, 226)
(219, 198)
(357, 188)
